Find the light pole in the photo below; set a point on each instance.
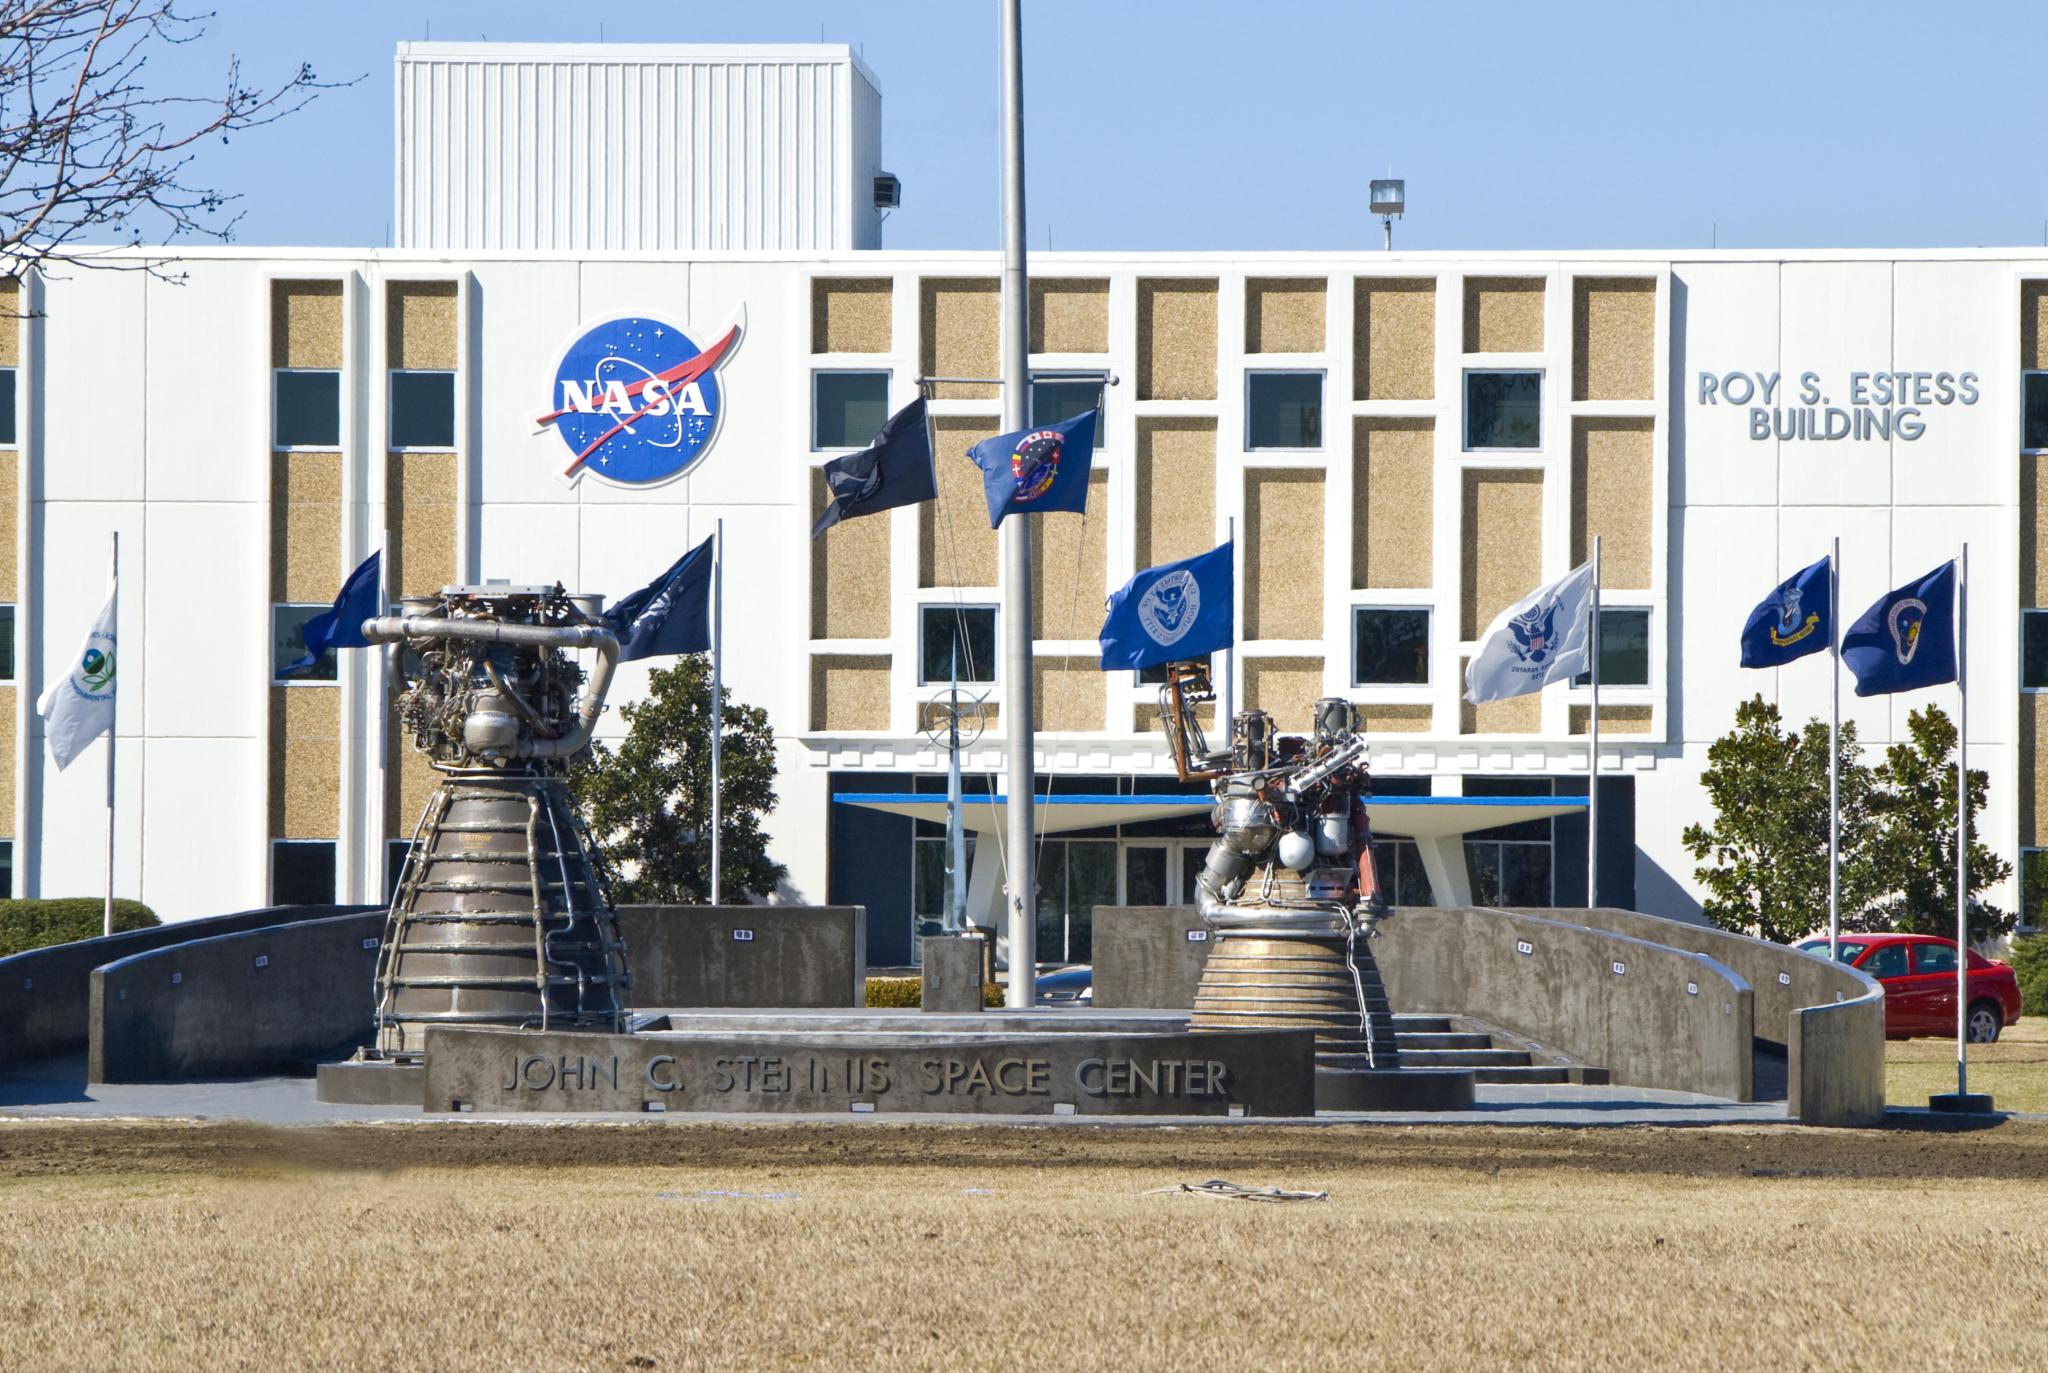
(1389, 198)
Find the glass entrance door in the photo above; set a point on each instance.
(1074, 877)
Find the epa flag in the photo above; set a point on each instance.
(1908, 639)
(1037, 469)
(896, 469)
(1539, 639)
(78, 707)
(1791, 622)
(342, 627)
(1171, 613)
(671, 614)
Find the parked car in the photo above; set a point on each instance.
(1066, 986)
(1918, 974)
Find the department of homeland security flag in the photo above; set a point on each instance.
(1791, 622)
(1908, 639)
(342, 627)
(79, 707)
(1171, 613)
(671, 614)
(896, 469)
(1540, 639)
(1035, 470)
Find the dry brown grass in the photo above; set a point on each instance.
(2014, 1070)
(476, 1247)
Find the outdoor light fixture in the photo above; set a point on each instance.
(1389, 198)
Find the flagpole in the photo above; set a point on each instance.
(113, 730)
(1962, 826)
(1835, 754)
(717, 698)
(1593, 757)
(1230, 653)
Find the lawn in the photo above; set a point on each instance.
(2014, 1070)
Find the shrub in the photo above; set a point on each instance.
(2030, 961)
(36, 924)
(908, 992)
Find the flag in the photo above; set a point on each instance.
(1036, 470)
(1171, 613)
(79, 707)
(1791, 622)
(671, 614)
(1540, 639)
(1908, 639)
(342, 627)
(896, 469)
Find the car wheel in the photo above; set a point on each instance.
(1984, 1023)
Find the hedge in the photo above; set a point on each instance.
(907, 993)
(28, 924)
(2030, 961)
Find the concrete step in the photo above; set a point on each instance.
(1441, 1039)
(1465, 1058)
(1422, 1024)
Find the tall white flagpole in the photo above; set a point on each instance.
(1962, 826)
(717, 699)
(113, 730)
(1593, 753)
(1835, 754)
(1230, 651)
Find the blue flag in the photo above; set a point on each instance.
(1171, 613)
(342, 627)
(671, 614)
(896, 469)
(1908, 639)
(1036, 470)
(1791, 622)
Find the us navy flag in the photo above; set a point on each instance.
(1791, 622)
(1908, 639)
(671, 614)
(896, 469)
(1170, 613)
(342, 627)
(1037, 469)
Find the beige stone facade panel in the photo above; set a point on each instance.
(2033, 326)
(1283, 557)
(420, 511)
(409, 779)
(10, 524)
(420, 326)
(1516, 715)
(1070, 315)
(8, 824)
(1613, 719)
(305, 761)
(11, 322)
(1393, 337)
(1285, 314)
(1175, 489)
(1069, 566)
(2033, 531)
(849, 573)
(1177, 340)
(1503, 544)
(1503, 315)
(1067, 694)
(305, 324)
(852, 314)
(850, 691)
(1148, 717)
(305, 478)
(955, 546)
(2033, 753)
(959, 320)
(1285, 688)
(305, 546)
(1612, 480)
(1392, 503)
(1614, 338)
(1396, 719)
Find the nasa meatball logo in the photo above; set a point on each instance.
(1168, 608)
(636, 400)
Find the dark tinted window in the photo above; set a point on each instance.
(308, 409)
(288, 643)
(7, 421)
(423, 410)
(1053, 401)
(2034, 415)
(1389, 647)
(1886, 960)
(2034, 648)
(1283, 410)
(964, 636)
(6, 643)
(848, 408)
(1934, 958)
(1503, 409)
(395, 851)
(6, 869)
(1624, 649)
(302, 872)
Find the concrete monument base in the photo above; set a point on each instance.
(372, 1082)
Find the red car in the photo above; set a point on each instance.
(1918, 973)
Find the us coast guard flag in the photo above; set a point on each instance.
(1170, 613)
(1791, 622)
(1035, 470)
(1536, 641)
(79, 707)
(1908, 639)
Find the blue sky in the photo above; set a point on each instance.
(1204, 125)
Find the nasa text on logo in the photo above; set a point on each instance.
(636, 400)
(1904, 620)
(1168, 608)
(1036, 462)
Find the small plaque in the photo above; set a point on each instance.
(743, 936)
(176, 978)
(1784, 979)
(1620, 968)
(262, 960)
(1198, 936)
(1692, 989)
(1523, 946)
(371, 943)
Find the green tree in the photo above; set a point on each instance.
(1764, 861)
(649, 799)
(1913, 849)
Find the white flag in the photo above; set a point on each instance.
(1536, 641)
(79, 707)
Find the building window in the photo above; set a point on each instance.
(1389, 647)
(302, 872)
(8, 431)
(1056, 399)
(1508, 873)
(962, 637)
(2033, 649)
(395, 852)
(1283, 410)
(1624, 649)
(1503, 410)
(308, 409)
(6, 643)
(1074, 877)
(1398, 865)
(288, 644)
(848, 408)
(2033, 410)
(6, 869)
(423, 411)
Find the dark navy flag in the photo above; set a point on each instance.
(1171, 613)
(1037, 469)
(1908, 639)
(671, 614)
(896, 469)
(1791, 622)
(342, 627)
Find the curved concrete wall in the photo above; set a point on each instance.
(253, 1001)
(45, 994)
